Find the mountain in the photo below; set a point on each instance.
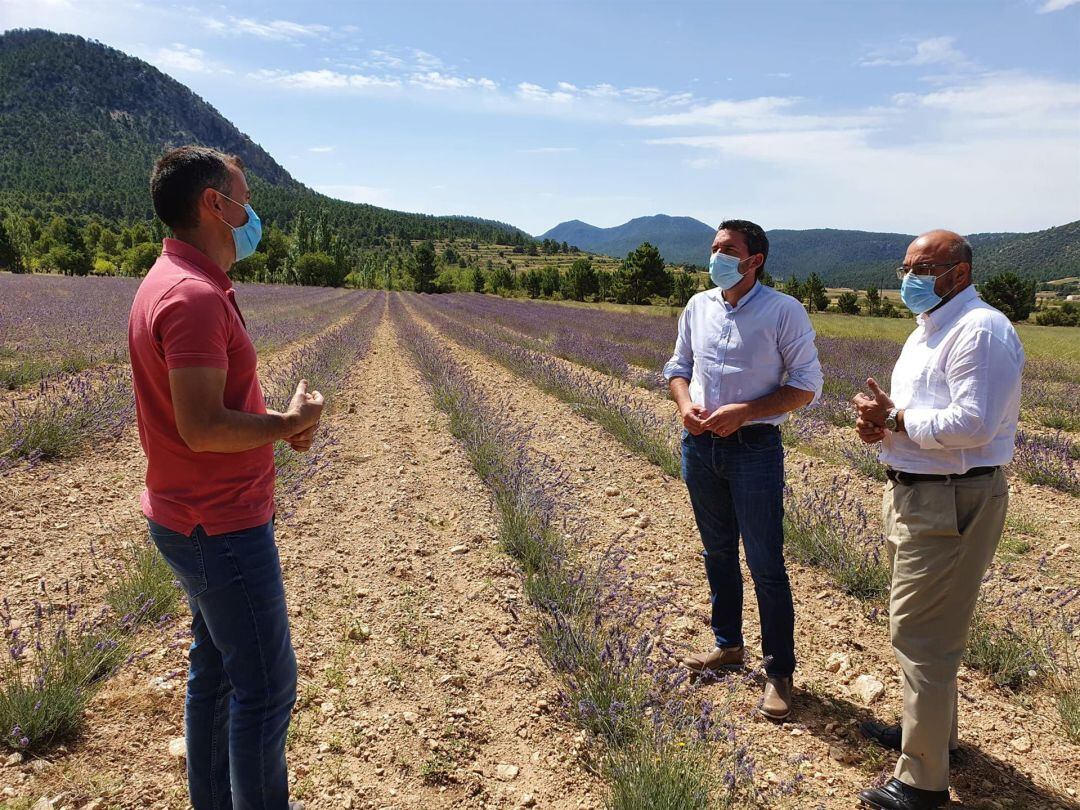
(682, 240)
(842, 258)
(81, 125)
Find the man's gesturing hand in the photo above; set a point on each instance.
(874, 407)
(726, 419)
(305, 408)
(302, 442)
(693, 418)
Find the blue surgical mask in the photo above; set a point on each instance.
(918, 294)
(724, 270)
(246, 237)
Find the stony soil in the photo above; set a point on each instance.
(418, 688)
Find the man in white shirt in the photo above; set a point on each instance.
(946, 432)
(744, 358)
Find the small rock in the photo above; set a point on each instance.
(324, 748)
(867, 688)
(1022, 744)
(409, 717)
(13, 759)
(178, 748)
(667, 557)
(629, 513)
(1062, 549)
(43, 804)
(611, 492)
(459, 549)
(506, 773)
(837, 662)
(327, 707)
(359, 632)
(93, 804)
(528, 800)
(643, 522)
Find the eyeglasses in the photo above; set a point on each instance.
(921, 269)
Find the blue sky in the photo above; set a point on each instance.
(898, 116)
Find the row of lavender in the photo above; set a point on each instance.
(825, 528)
(65, 413)
(58, 655)
(651, 737)
(52, 325)
(634, 348)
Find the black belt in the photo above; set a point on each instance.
(901, 477)
(746, 431)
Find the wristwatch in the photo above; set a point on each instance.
(890, 420)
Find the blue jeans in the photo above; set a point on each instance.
(242, 676)
(736, 486)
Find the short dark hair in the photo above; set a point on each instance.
(180, 176)
(756, 240)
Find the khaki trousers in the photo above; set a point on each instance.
(941, 539)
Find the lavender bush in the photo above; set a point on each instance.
(1047, 460)
(827, 528)
(585, 621)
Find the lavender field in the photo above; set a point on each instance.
(493, 567)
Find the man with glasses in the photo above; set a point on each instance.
(947, 430)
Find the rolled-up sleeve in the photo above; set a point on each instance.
(681, 363)
(795, 340)
(977, 402)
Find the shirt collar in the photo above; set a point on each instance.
(199, 260)
(717, 295)
(949, 311)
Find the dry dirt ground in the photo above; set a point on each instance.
(417, 686)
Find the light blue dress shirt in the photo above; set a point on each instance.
(743, 352)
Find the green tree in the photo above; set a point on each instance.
(476, 279)
(10, 258)
(848, 303)
(641, 276)
(815, 293)
(581, 281)
(1068, 314)
(794, 288)
(1009, 293)
(873, 301)
(501, 281)
(67, 260)
(316, 269)
(532, 282)
(550, 279)
(139, 259)
(685, 286)
(424, 276)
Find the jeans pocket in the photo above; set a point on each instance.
(184, 555)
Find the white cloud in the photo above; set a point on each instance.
(325, 80)
(1056, 5)
(434, 80)
(919, 53)
(274, 30)
(179, 57)
(321, 150)
(999, 148)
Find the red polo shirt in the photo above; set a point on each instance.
(185, 315)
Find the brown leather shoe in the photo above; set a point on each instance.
(719, 659)
(776, 703)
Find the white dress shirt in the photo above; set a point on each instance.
(743, 352)
(958, 383)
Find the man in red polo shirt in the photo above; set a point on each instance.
(209, 499)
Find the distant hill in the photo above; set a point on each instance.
(842, 258)
(81, 125)
(682, 240)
